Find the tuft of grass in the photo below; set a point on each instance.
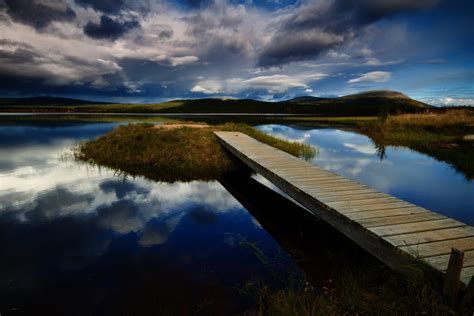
(179, 154)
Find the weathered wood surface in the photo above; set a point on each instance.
(394, 231)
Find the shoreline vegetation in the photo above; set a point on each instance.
(180, 153)
(447, 137)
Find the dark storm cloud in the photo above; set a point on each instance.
(108, 28)
(106, 6)
(317, 26)
(38, 14)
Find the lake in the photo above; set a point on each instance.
(77, 239)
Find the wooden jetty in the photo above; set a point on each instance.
(395, 231)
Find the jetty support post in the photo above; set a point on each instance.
(452, 282)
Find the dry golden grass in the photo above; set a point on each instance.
(449, 118)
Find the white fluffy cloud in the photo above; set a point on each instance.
(276, 83)
(374, 76)
(448, 101)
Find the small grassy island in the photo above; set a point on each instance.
(175, 152)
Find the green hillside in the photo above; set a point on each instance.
(362, 104)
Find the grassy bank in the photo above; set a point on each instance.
(443, 136)
(354, 293)
(178, 154)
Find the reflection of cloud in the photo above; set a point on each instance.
(121, 188)
(154, 236)
(285, 133)
(59, 202)
(365, 149)
(157, 232)
(35, 170)
(121, 216)
(35, 185)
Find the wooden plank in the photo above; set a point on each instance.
(439, 247)
(400, 229)
(441, 262)
(373, 207)
(330, 188)
(370, 201)
(385, 213)
(319, 183)
(308, 176)
(430, 236)
(352, 197)
(347, 193)
(399, 219)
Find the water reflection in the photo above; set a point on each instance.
(76, 239)
(404, 173)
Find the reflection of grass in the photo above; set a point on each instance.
(256, 251)
(183, 154)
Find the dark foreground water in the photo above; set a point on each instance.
(78, 240)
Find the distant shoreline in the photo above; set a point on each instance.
(155, 114)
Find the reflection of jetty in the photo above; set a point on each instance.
(394, 231)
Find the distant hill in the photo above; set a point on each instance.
(306, 99)
(44, 101)
(362, 104)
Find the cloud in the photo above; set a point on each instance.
(39, 13)
(285, 48)
(275, 83)
(374, 76)
(208, 87)
(308, 30)
(108, 28)
(49, 67)
(157, 50)
(437, 61)
(450, 101)
(106, 6)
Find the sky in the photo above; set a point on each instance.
(156, 50)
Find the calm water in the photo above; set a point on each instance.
(79, 240)
(403, 173)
